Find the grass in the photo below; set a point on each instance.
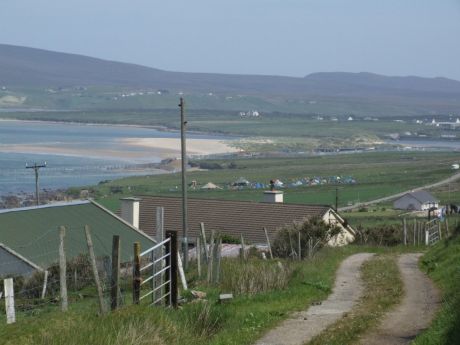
(241, 321)
(383, 289)
(442, 263)
(377, 175)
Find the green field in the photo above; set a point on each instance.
(376, 175)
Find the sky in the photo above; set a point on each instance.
(275, 37)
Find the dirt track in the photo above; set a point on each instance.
(414, 314)
(303, 326)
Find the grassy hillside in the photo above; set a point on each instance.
(69, 81)
(442, 265)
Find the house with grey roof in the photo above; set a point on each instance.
(232, 218)
(419, 200)
(29, 236)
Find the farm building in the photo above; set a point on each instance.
(29, 237)
(233, 218)
(416, 201)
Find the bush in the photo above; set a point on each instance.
(382, 235)
(314, 234)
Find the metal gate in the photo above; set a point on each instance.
(155, 273)
(432, 232)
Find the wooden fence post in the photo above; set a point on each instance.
(180, 269)
(439, 230)
(415, 230)
(92, 257)
(9, 300)
(62, 270)
(405, 231)
(173, 263)
(447, 227)
(137, 273)
(243, 249)
(198, 255)
(211, 257)
(205, 246)
(216, 260)
(115, 281)
(45, 283)
(268, 243)
(300, 247)
(427, 237)
(159, 236)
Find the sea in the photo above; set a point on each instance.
(77, 163)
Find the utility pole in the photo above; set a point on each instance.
(36, 167)
(336, 198)
(184, 182)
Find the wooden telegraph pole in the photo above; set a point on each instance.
(36, 168)
(184, 183)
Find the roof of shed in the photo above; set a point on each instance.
(229, 217)
(33, 231)
(423, 196)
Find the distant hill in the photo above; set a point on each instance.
(35, 68)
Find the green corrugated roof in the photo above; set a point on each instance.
(34, 232)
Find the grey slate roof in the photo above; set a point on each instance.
(228, 217)
(423, 196)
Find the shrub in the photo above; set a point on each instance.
(314, 234)
(382, 235)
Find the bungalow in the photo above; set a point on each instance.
(233, 218)
(416, 201)
(29, 238)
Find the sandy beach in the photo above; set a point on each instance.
(172, 145)
(130, 149)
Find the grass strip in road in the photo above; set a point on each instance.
(383, 289)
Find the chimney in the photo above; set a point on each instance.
(273, 196)
(130, 211)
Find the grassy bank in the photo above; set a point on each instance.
(383, 289)
(241, 321)
(442, 263)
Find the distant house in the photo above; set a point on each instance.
(236, 218)
(416, 201)
(29, 237)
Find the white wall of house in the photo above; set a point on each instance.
(346, 235)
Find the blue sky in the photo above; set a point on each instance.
(280, 37)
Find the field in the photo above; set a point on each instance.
(376, 175)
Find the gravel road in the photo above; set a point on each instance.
(303, 326)
(414, 314)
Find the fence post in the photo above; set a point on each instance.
(62, 270)
(173, 263)
(205, 246)
(405, 231)
(137, 273)
(300, 247)
(243, 249)
(415, 230)
(198, 256)
(427, 237)
(45, 283)
(159, 236)
(115, 281)
(92, 257)
(268, 243)
(447, 227)
(439, 230)
(9, 300)
(216, 260)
